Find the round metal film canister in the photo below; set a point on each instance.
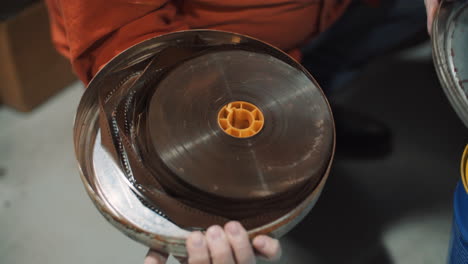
(245, 122)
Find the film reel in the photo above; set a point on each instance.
(198, 127)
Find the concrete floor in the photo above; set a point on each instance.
(395, 209)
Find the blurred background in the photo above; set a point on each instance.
(391, 209)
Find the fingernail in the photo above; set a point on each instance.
(197, 240)
(214, 232)
(233, 228)
(260, 242)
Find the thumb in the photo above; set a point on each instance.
(268, 247)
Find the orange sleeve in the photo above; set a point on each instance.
(91, 32)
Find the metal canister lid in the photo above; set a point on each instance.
(450, 41)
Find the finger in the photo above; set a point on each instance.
(268, 247)
(197, 249)
(154, 257)
(240, 243)
(218, 245)
(431, 8)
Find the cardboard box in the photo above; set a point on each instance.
(31, 70)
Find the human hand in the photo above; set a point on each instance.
(230, 245)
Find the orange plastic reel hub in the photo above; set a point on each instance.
(240, 119)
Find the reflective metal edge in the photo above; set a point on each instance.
(464, 168)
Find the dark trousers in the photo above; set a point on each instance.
(361, 34)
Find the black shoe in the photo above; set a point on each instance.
(360, 136)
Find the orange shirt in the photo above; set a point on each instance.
(91, 32)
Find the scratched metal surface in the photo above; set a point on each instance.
(450, 40)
